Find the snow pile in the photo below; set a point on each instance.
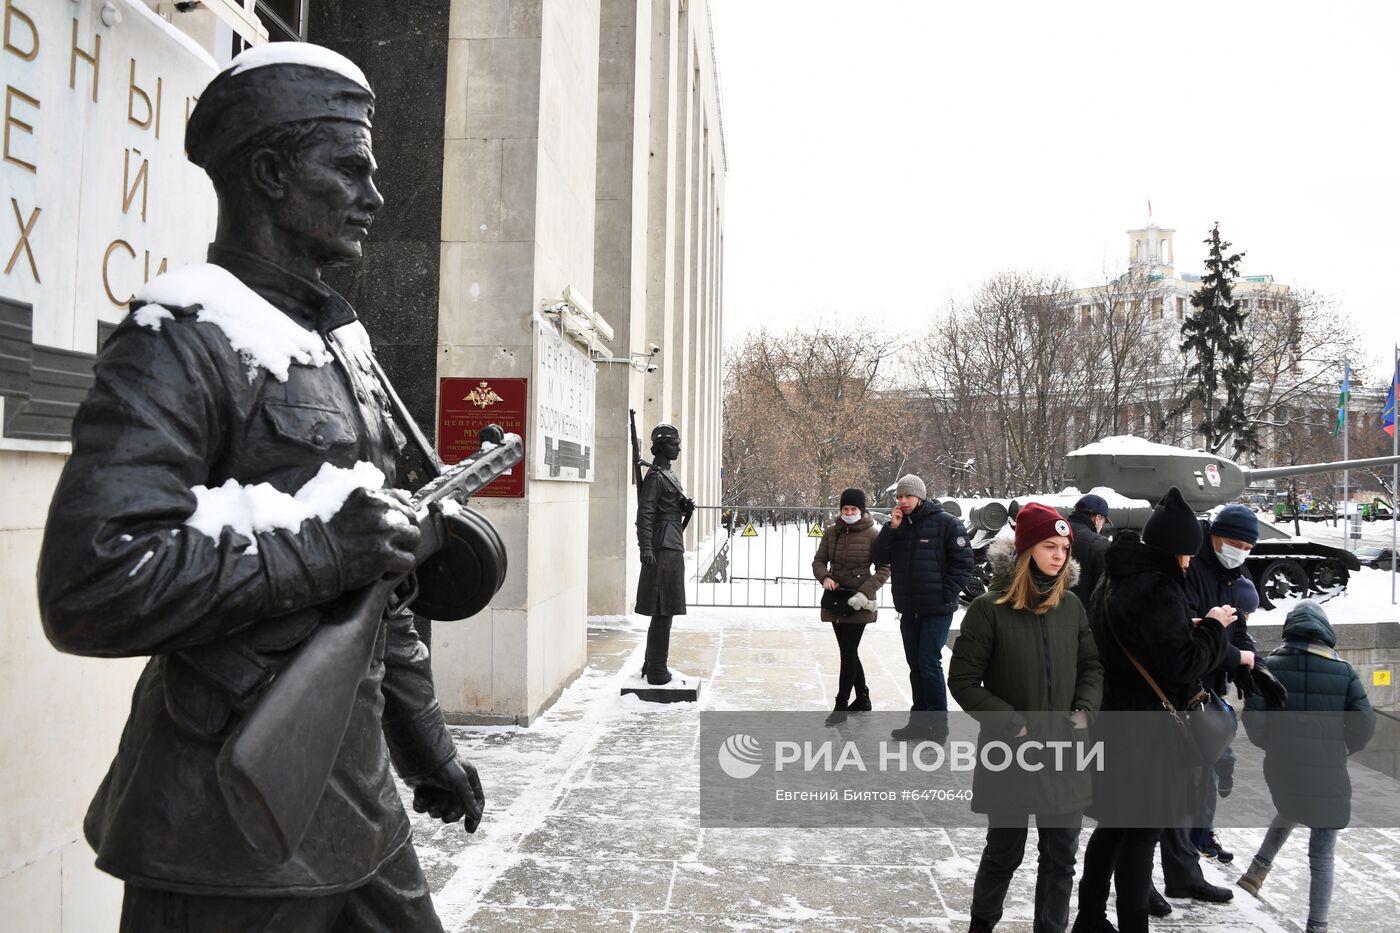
(297, 53)
(265, 336)
(251, 509)
(1128, 444)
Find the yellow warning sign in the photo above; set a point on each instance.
(1380, 678)
(749, 531)
(816, 531)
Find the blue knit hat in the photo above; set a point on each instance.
(1236, 522)
(1246, 598)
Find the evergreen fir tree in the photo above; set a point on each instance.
(1220, 363)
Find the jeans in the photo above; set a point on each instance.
(924, 638)
(1321, 843)
(1200, 836)
(1054, 879)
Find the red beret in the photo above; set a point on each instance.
(1035, 523)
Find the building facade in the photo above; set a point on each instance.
(554, 180)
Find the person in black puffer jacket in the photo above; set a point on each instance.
(1140, 608)
(1327, 717)
(930, 562)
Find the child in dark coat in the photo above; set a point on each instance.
(1305, 756)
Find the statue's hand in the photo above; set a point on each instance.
(648, 557)
(375, 533)
(452, 793)
(687, 504)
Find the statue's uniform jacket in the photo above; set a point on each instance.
(660, 516)
(171, 409)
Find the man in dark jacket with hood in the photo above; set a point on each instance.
(1210, 582)
(1305, 756)
(930, 562)
(1087, 520)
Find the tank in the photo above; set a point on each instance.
(1132, 474)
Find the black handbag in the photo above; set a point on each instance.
(837, 601)
(1205, 727)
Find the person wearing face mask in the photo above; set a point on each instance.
(845, 567)
(1026, 666)
(1210, 582)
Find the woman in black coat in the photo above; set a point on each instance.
(1140, 608)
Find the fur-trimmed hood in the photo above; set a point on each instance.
(1001, 554)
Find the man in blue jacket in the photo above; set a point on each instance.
(930, 563)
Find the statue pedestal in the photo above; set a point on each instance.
(682, 689)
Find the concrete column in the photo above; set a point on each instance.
(519, 177)
(666, 78)
(620, 257)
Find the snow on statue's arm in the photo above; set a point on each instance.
(120, 572)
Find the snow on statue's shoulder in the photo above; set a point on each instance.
(265, 336)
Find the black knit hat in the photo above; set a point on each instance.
(1173, 526)
(855, 497)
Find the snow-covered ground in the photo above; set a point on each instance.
(593, 815)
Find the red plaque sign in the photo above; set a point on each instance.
(465, 406)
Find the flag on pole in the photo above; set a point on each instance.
(1342, 398)
(1388, 413)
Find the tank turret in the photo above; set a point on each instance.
(1133, 474)
(1139, 469)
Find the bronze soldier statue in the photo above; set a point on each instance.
(250, 370)
(663, 512)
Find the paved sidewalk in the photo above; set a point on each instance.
(593, 816)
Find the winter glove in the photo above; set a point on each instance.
(1274, 694)
(861, 602)
(1242, 681)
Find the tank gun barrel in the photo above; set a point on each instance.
(1252, 473)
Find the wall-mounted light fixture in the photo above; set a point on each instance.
(580, 322)
(641, 361)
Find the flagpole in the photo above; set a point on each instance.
(1346, 449)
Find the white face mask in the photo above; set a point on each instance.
(1230, 556)
(850, 519)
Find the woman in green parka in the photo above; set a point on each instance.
(1026, 666)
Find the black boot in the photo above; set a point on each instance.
(1092, 923)
(862, 701)
(1157, 905)
(838, 713)
(654, 667)
(1132, 921)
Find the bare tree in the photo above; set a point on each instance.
(813, 411)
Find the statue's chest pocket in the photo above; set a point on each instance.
(310, 427)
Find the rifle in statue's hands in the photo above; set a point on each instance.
(637, 461)
(274, 767)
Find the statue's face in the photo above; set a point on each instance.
(330, 195)
(669, 446)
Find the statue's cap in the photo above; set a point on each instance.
(269, 85)
(664, 430)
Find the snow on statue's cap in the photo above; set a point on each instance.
(269, 85)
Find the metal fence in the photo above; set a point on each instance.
(761, 557)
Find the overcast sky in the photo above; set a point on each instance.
(886, 156)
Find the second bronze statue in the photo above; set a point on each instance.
(663, 512)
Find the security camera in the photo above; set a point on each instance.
(652, 368)
(653, 348)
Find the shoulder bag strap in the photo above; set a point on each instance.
(1166, 704)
